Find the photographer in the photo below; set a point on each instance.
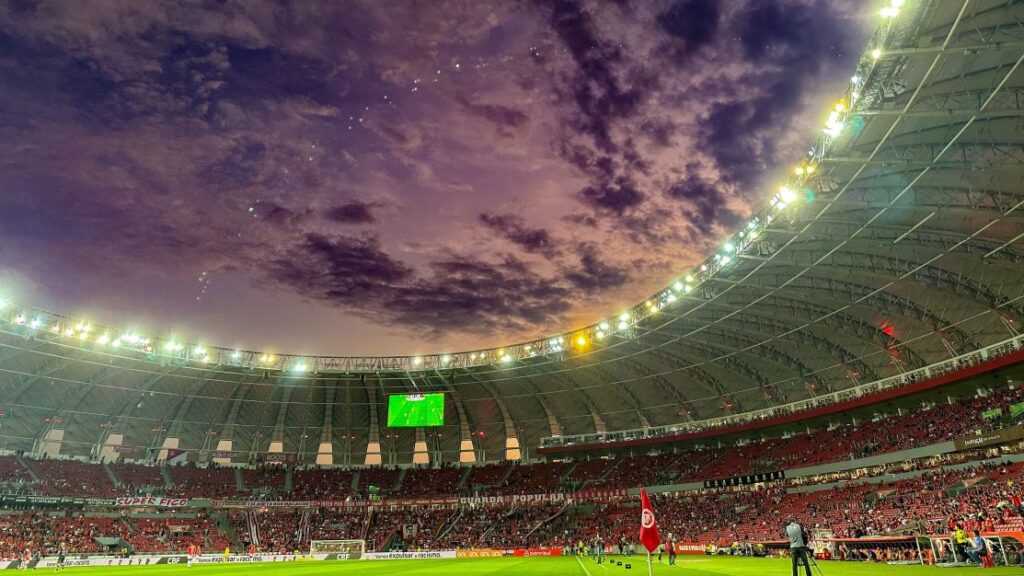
(798, 548)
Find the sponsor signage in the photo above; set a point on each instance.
(744, 480)
(125, 449)
(528, 552)
(990, 438)
(156, 501)
(244, 559)
(51, 561)
(689, 548)
(223, 454)
(479, 553)
(280, 457)
(435, 555)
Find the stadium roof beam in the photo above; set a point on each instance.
(784, 331)
(620, 387)
(890, 267)
(574, 388)
(374, 455)
(277, 437)
(727, 401)
(686, 407)
(325, 449)
(467, 448)
(553, 424)
(180, 412)
(772, 393)
(831, 288)
(822, 316)
(514, 444)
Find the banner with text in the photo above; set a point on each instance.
(1003, 436)
(152, 501)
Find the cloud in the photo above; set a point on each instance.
(705, 202)
(160, 141)
(690, 25)
(593, 274)
(505, 118)
(513, 228)
(460, 294)
(351, 213)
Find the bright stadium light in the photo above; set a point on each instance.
(876, 54)
(786, 194)
(446, 359)
(417, 361)
(236, 355)
(603, 326)
(103, 339)
(3, 303)
(506, 358)
(729, 247)
(581, 341)
(36, 323)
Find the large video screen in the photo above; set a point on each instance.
(412, 410)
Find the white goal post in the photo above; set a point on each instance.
(340, 549)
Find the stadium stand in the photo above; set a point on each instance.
(866, 354)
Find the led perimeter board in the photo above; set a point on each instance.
(413, 410)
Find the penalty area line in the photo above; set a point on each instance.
(580, 562)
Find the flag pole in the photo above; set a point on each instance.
(650, 567)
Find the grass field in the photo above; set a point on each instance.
(698, 566)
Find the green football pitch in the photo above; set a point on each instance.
(697, 566)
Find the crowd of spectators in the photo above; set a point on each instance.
(193, 482)
(71, 478)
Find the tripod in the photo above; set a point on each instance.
(813, 561)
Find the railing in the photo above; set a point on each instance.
(957, 363)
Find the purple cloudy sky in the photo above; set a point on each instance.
(393, 177)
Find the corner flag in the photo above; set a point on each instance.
(648, 527)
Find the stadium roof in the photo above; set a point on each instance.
(896, 244)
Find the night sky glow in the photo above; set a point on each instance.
(393, 177)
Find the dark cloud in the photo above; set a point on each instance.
(790, 44)
(616, 195)
(280, 215)
(460, 294)
(341, 269)
(351, 213)
(513, 228)
(705, 203)
(505, 118)
(593, 274)
(601, 91)
(690, 25)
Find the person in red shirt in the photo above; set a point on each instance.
(1015, 500)
(252, 549)
(190, 554)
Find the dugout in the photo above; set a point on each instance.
(1007, 549)
(888, 549)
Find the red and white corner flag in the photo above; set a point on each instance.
(648, 526)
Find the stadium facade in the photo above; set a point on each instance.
(891, 254)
